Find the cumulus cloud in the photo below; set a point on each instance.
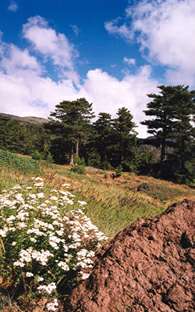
(109, 93)
(165, 32)
(26, 87)
(13, 6)
(51, 45)
(15, 60)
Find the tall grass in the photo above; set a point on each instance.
(112, 205)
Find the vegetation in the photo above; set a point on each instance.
(112, 203)
(22, 136)
(22, 164)
(173, 110)
(109, 143)
(55, 207)
(73, 118)
(43, 248)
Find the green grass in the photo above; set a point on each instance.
(23, 164)
(162, 191)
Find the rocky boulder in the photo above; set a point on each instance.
(147, 267)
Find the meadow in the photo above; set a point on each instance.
(53, 221)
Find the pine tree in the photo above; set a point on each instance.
(162, 109)
(173, 111)
(125, 134)
(74, 118)
(184, 134)
(103, 138)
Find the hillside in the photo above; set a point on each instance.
(112, 204)
(27, 119)
(23, 134)
(90, 208)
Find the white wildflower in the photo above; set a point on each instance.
(29, 274)
(52, 306)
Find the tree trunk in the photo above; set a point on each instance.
(163, 150)
(72, 157)
(77, 148)
(162, 157)
(162, 154)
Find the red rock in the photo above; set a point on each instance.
(146, 267)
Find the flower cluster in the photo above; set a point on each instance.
(45, 238)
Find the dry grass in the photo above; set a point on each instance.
(112, 204)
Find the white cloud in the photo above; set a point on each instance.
(129, 61)
(109, 93)
(122, 30)
(15, 60)
(165, 31)
(51, 45)
(13, 6)
(26, 88)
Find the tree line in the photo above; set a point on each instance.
(73, 135)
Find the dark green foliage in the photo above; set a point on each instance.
(25, 165)
(147, 160)
(125, 135)
(73, 119)
(79, 161)
(174, 110)
(93, 159)
(118, 172)
(80, 169)
(49, 158)
(114, 140)
(108, 143)
(161, 108)
(36, 155)
(22, 137)
(103, 137)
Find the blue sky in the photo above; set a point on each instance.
(113, 52)
(96, 48)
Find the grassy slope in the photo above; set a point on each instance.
(112, 204)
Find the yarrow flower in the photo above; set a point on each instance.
(44, 243)
(29, 274)
(52, 306)
(47, 288)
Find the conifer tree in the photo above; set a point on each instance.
(74, 118)
(161, 108)
(103, 138)
(125, 133)
(173, 113)
(184, 134)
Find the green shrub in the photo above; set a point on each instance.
(23, 164)
(79, 161)
(105, 165)
(49, 158)
(80, 169)
(94, 160)
(36, 155)
(118, 172)
(128, 166)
